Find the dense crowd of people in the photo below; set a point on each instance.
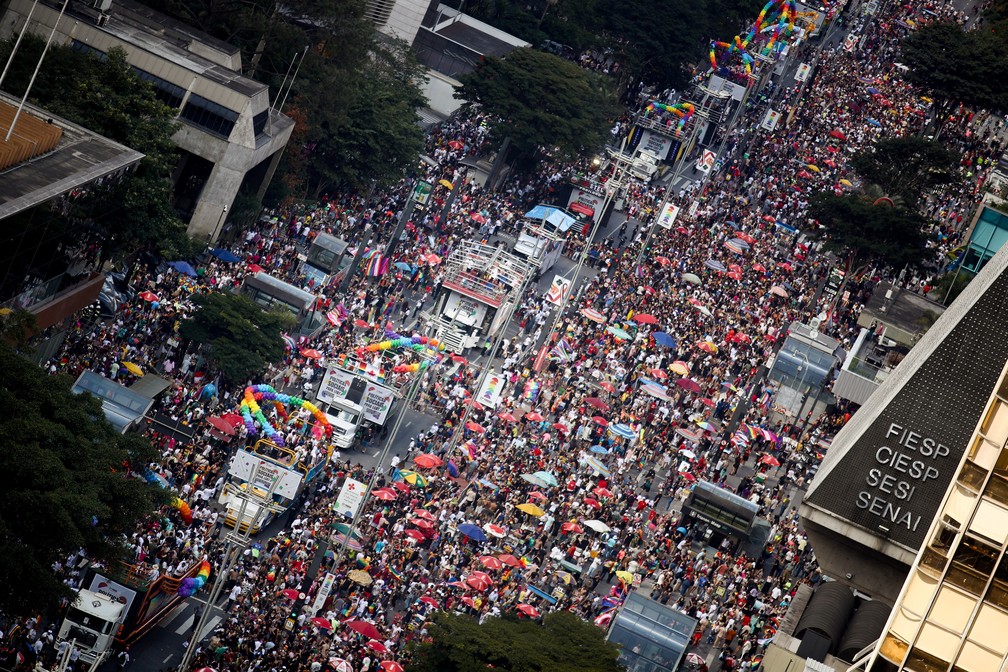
(567, 491)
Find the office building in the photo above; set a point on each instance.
(868, 510)
(230, 138)
(952, 613)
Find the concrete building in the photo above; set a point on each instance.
(952, 613)
(230, 136)
(869, 508)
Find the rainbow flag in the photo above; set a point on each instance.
(395, 572)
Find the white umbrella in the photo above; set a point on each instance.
(597, 525)
(685, 452)
(691, 278)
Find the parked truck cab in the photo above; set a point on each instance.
(92, 622)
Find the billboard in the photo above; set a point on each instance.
(587, 203)
(377, 402)
(335, 385)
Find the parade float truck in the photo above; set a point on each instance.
(353, 393)
(118, 606)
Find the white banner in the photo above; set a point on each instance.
(706, 161)
(659, 145)
(802, 73)
(559, 289)
(261, 472)
(668, 215)
(335, 385)
(770, 120)
(350, 498)
(492, 390)
(323, 592)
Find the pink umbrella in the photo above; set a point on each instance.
(528, 610)
(688, 384)
(490, 562)
(479, 581)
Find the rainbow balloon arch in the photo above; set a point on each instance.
(683, 111)
(775, 21)
(430, 349)
(256, 422)
(191, 584)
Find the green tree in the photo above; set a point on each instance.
(906, 167)
(240, 337)
(66, 484)
(958, 66)
(862, 231)
(106, 96)
(542, 101)
(561, 643)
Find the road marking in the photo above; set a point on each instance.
(168, 657)
(208, 628)
(172, 615)
(186, 625)
(375, 453)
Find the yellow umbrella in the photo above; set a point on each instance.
(814, 168)
(846, 183)
(133, 368)
(446, 184)
(531, 509)
(625, 577)
(414, 478)
(359, 576)
(680, 367)
(5, 311)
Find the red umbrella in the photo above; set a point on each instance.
(233, 418)
(383, 494)
(425, 514)
(310, 353)
(427, 461)
(415, 535)
(607, 386)
(534, 417)
(255, 268)
(770, 460)
(361, 324)
(221, 425)
(707, 401)
(149, 297)
(659, 374)
(664, 261)
(528, 610)
(509, 560)
(784, 266)
(377, 646)
(597, 403)
(460, 359)
(688, 384)
(494, 530)
(560, 427)
(475, 427)
(603, 492)
(599, 420)
(427, 599)
(290, 593)
(507, 417)
(838, 134)
(421, 523)
(456, 144)
(402, 486)
(469, 602)
(490, 562)
(458, 584)
(645, 318)
(742, 235)
(391, 666)
(572, 528)
(321, 623)
(479, 581)
(688, 476)
(364, 628)
(759, 267)
(592, 502)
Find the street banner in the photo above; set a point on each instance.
(350, 498)
(559, 289)
(668, 215)
(491, 391)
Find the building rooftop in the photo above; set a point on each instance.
(79, 158)
(157, 33)
(906, 315)
(478, 36)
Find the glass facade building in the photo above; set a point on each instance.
(989, 234)
(952, 614)
(652, 637)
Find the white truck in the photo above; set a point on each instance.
(92, 623)
(345, 417)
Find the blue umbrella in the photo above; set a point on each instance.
(183, 267)
(715, 265)
(227, 256)
(472, 531)
(453, 469)
(624, 430)
(872, 90)
(661, 338)
(599, 449)
(403, 266)
(873, 122)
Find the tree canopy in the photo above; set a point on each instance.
(561, 643)
(862, 231)
(66, 484)
(354, 97)
(906, 167)
(106, 96)
(959, 66)
(240, 337)
(541, 100)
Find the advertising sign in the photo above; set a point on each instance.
(350, 498)
(585, 203)
(251, 468)
(112, 590)
(335, 385)
(323, 592)
(377, 402)
(706, 161)
(770, 120)
(802, 73)
(657, 144)
(421, 192)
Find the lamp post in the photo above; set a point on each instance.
(217, 228)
